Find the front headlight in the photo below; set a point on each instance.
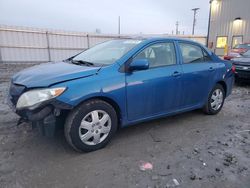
(37, 96)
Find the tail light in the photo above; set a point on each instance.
(233, 69)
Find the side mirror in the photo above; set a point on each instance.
(139, 64)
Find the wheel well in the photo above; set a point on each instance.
(223, 85)
(111, 102)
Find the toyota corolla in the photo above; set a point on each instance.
(119, 83)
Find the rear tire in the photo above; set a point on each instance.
(215, 100)
(91, 125)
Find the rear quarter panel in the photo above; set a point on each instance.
(223, 73)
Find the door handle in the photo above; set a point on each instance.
(211, 69)
(176, 73)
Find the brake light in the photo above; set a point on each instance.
(233, 69)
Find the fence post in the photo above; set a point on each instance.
(48, 45)
(88, 45)
(1, 60)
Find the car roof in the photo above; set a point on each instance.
(155, 39)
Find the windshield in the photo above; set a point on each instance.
(247, 46)
(107, 52)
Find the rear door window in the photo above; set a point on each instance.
(193, 53)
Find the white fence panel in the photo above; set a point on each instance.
(61, 54)
(19, 44)
(24, 55)
(67, 41)
(19, 38)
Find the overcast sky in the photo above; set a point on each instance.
(137, 16)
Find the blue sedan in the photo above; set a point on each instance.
(119, 83)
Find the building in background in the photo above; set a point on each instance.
(229, 24)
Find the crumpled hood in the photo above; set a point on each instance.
(46, 74)
(241, 60)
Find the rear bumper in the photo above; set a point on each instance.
(229, 80)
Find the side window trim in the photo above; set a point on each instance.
(205, 54)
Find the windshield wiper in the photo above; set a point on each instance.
(82, 62)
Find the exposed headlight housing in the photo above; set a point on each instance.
(37, 96)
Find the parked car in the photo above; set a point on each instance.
(237, 50)
(120, 83)
(242, 66)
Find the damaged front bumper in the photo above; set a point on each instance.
(46, 117)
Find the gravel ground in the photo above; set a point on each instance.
(186, 150)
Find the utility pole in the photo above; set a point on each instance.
(194, 21)
(177, 28)
(209, 22)
(119, 25)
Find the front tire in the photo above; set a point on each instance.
(215, 100)
(91, 125)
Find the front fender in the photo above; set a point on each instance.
(109, 84)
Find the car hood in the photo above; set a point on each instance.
(47, 74)
(241, 60)
(239, 50)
